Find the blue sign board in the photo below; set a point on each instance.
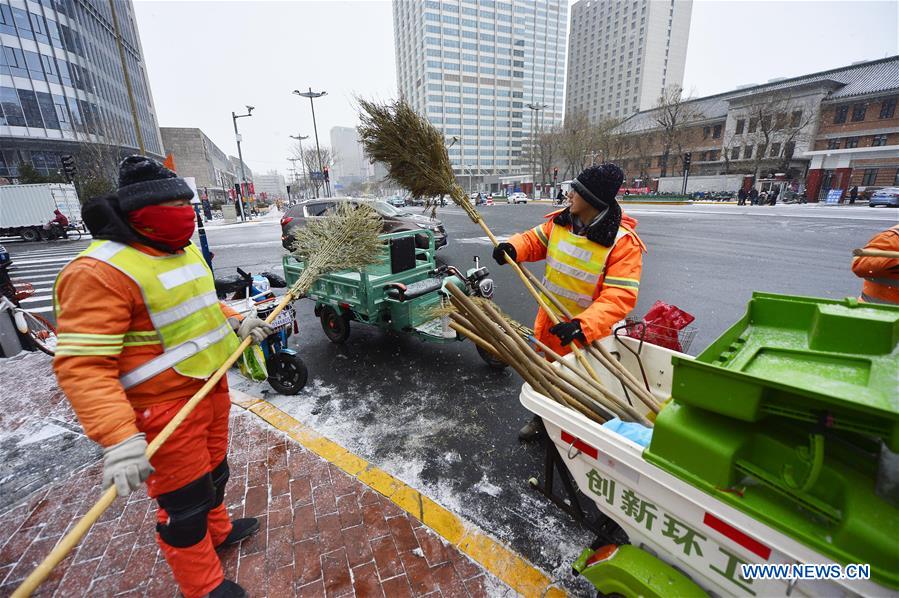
(834, 196)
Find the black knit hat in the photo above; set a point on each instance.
(144, 182)
(599, 185)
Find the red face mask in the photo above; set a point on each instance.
(170, 225)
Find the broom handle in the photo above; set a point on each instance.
(875, 253)
(616, 368)
(71, 539)
(552, 316)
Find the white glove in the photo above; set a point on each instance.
(126, 465)
(254, 327)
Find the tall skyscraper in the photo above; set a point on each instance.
(350, 164)
(473, 67)
(72, 77)
(623, 53)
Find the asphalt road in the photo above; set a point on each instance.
(438, 418)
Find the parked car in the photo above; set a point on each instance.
(518, 197)
(888, 196)
(396, 201)
(394, 220)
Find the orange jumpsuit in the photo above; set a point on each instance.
(611, 303)
(881, 274)
(95, 298)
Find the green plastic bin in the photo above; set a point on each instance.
(827, 362)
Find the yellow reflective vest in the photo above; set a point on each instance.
(179, 293)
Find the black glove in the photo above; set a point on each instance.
(568, 331)
(502, 248)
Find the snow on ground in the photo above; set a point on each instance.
(40, 438)
(408, 443)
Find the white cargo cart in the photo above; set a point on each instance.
(688, 530)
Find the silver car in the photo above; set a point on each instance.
(888, 196)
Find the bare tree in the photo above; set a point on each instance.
(310, 160)
(673, 113)
(574, 143)
(776, 123)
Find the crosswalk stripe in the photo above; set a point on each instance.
(41, 310)
(43, 261)
(31, 277)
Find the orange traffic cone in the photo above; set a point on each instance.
(170, 162)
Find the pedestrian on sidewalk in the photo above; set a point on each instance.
(741, 197)
(775, 191)
(594, 259)
(140, 330)
(753, 196)
(853, 195)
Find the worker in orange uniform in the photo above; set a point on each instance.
(140, 330)
(881, 274)
(593, 264)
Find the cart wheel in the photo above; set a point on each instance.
(287, 373)
(490, 359)
(30, 234)
(336, 327)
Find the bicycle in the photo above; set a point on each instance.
(37, 329)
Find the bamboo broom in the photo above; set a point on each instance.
(603, 356)
(574, 381)
(347, 238)
(416, 158)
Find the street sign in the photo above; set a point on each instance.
(317, 175)
(834, 196)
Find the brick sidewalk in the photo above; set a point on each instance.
(323, 533)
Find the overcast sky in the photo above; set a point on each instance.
(208, 58)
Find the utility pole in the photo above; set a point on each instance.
(312, 95)
(243, 174)
(536, 108)
(300, 138)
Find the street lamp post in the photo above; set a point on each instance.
(300, 139)
(536, 108)
(243, 174)
(312, 95)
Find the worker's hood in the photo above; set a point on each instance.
(600, 231)
(105, 220)
(628, 222)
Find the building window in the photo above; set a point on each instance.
(833, 144)
(735, 153)
(775, 150)
(716, 132)
(888, 108)
(789, 150)
(705, 132)
(858, 112)
(869, 177)
(879, 140)
(741, 124)
(761, 150)
(796, 119)
(753, 125)
(839, 116)
(851, 142)
(747, 152)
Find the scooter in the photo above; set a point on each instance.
(249, 293)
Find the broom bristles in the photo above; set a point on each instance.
(345, 239)
(412, 149)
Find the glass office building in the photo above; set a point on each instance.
(63, 85)
(473, 66)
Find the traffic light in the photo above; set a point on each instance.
(555, 173)
(688, 156)
(327, 175)
(68, 166)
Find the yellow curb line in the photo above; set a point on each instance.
(500, 560)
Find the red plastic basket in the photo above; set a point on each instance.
(23, 290)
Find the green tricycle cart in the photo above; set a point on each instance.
(399, 292)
